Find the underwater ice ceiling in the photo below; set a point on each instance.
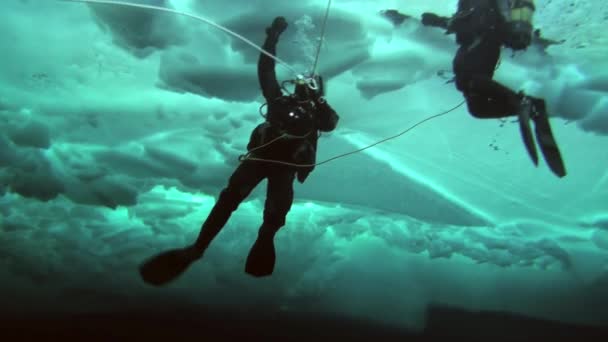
(129, 98)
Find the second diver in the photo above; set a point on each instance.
(482, 27)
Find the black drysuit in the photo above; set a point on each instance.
(481, 31)
(250, 173)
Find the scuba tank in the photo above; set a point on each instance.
(518, 15)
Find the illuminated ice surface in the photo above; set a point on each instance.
(119, 127)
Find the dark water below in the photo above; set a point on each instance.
(180, 324)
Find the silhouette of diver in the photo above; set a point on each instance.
(482, 27)
(298, 116)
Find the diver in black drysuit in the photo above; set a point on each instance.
(481, 30)
(301, 116)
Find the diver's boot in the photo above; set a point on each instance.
(261, 258)
(524, 112)
(545, 138)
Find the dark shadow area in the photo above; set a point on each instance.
(499, 326)
(443, 323)
(202, 326)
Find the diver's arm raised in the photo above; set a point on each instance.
(266, 65)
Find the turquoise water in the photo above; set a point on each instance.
(120, 126)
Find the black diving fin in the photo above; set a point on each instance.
(524, 127)
(167, 266)
(546, 140)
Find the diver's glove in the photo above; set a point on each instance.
(432, 19)
(519, 35)
(278, 26)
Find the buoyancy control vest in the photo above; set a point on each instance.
(291, 117)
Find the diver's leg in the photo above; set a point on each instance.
(244, 179)
(168, 265)
(279, 199)
(488, 99)
(474, 67)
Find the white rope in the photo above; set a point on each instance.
(205, 20)
(314, 66)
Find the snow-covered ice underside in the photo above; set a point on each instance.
(119, 127)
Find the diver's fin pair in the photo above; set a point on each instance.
(168, 265)
(534, 109)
